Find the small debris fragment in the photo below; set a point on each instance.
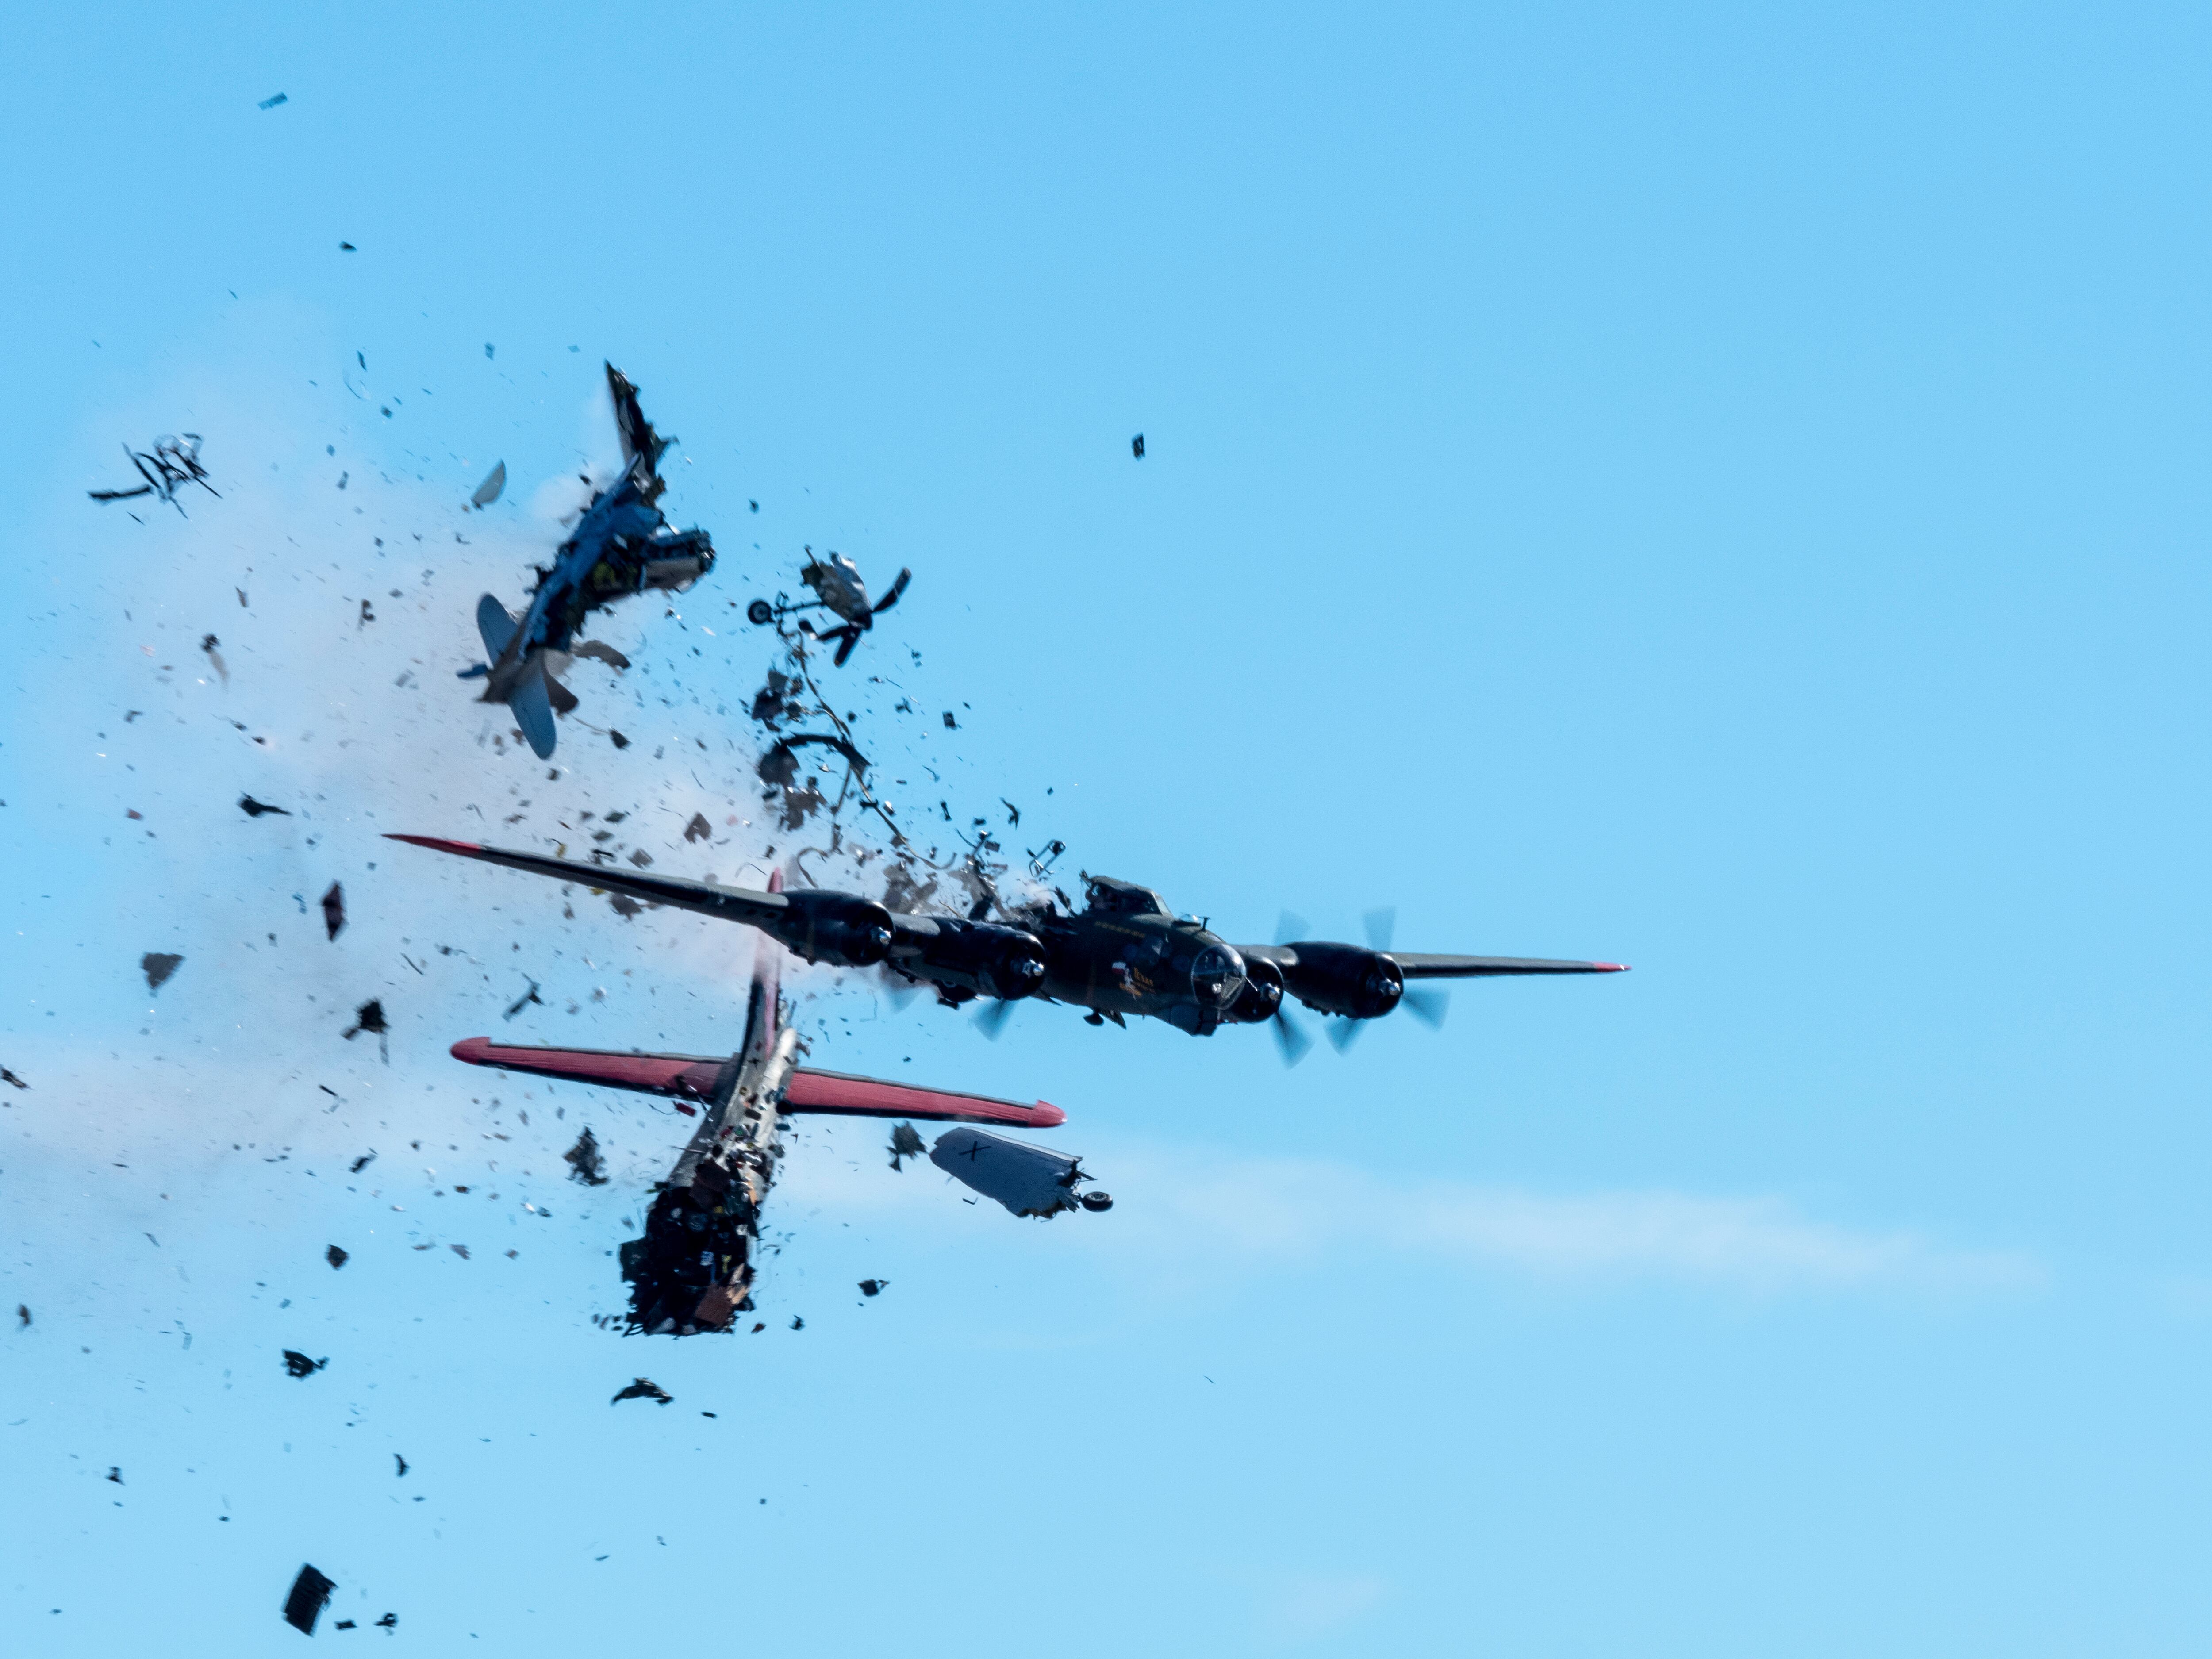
(402, 1462)
(950, 725)
(525, 1000)
(1137, 445)
(488, 490)
(367, 615)
(215, 656)
(390, 1621)
(347, 247)
(174, 462)
(460, 1250)
(872, 1287)
(605, 654)
(7, 1076)
(366, 1159)
(343, 1624)
(624, 906)
(643, 1388)
(311, 1593)
(334, 916)
(158, 966)
(298, 1365)
(797, 1323)
(698, 828)
(617, 738)
(271, 103)
(906, 1142)
(22, 1315)
(584, 1161)
(115, 1472)
(369, 1017)
(254, 809)
(337, 1257)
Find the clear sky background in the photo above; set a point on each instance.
(1719, 489)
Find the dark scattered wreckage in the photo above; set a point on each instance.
(254, 809)
(839, 589)
(298, 1365)
(585, 1161)
(693, 1269)
(174, 463)
(643, 1388)
(622, 546)
(334, 911)
(1124, 954)
(158, 966)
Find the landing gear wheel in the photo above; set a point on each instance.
(1097, 1201)
(760, 612)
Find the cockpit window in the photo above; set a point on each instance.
(1217, 975)
(1120, 898)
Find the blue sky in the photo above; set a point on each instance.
(1721, 490)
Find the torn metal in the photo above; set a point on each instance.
(1029, 1180)
(254, 809)
(298, 1365)
(174, 462)
(334, 914)
(584, 1161)
(839, 589)
(643, 1388)
(158, 966)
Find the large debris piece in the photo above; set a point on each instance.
(906, 1142)
(643, 1388)
(1029, 1180)
(311, 1594)
(157, 966)
(334, 916)
(174, 462)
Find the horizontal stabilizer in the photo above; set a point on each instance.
(495, 624)
(531, 704)
(692, 1077)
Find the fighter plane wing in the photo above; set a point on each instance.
(730, 903)
(1418, 967)
(638, 437)
(692, 1077)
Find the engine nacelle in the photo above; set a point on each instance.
(837, 929)
(1262, 995)
(982, 957)
(1344, 979)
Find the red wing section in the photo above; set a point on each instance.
(688, 1077)
(834, 1092)
(692, 1077)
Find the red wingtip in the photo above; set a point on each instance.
(474, 1050)
(1610, 967)
(1048, 1116)
(467, 847)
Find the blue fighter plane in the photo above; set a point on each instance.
(623, 545)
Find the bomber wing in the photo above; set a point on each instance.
(1420, 967)
(744, 904)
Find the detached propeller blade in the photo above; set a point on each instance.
(1291, 1037)
(892, 598)
(992, 1022)
(1381, 926)
(1427, 1005)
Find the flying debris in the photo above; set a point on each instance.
(1029, 1180)
(488, 490)
(271, 103)
(698, 828)
(693, 1269)
(524, 1001)
(174, 462)
(337, 1257)
(873, 1286)
(400, 1474)
(838, 588)
(1124, 954)
(22, 1314)
(213, 656)
(254, 809)
(334, 916)
(906, 1142)
(298, 1365)
(1137, 445)
(599, 652)
(369, 1017)
(8, 1077)
(643, 1388)
(311, 1594)
(585, 1163)
(366, 1159)
(623, 545)
(158, 965)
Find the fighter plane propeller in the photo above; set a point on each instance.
(1125, 953)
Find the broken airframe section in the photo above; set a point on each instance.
(693, 1268)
